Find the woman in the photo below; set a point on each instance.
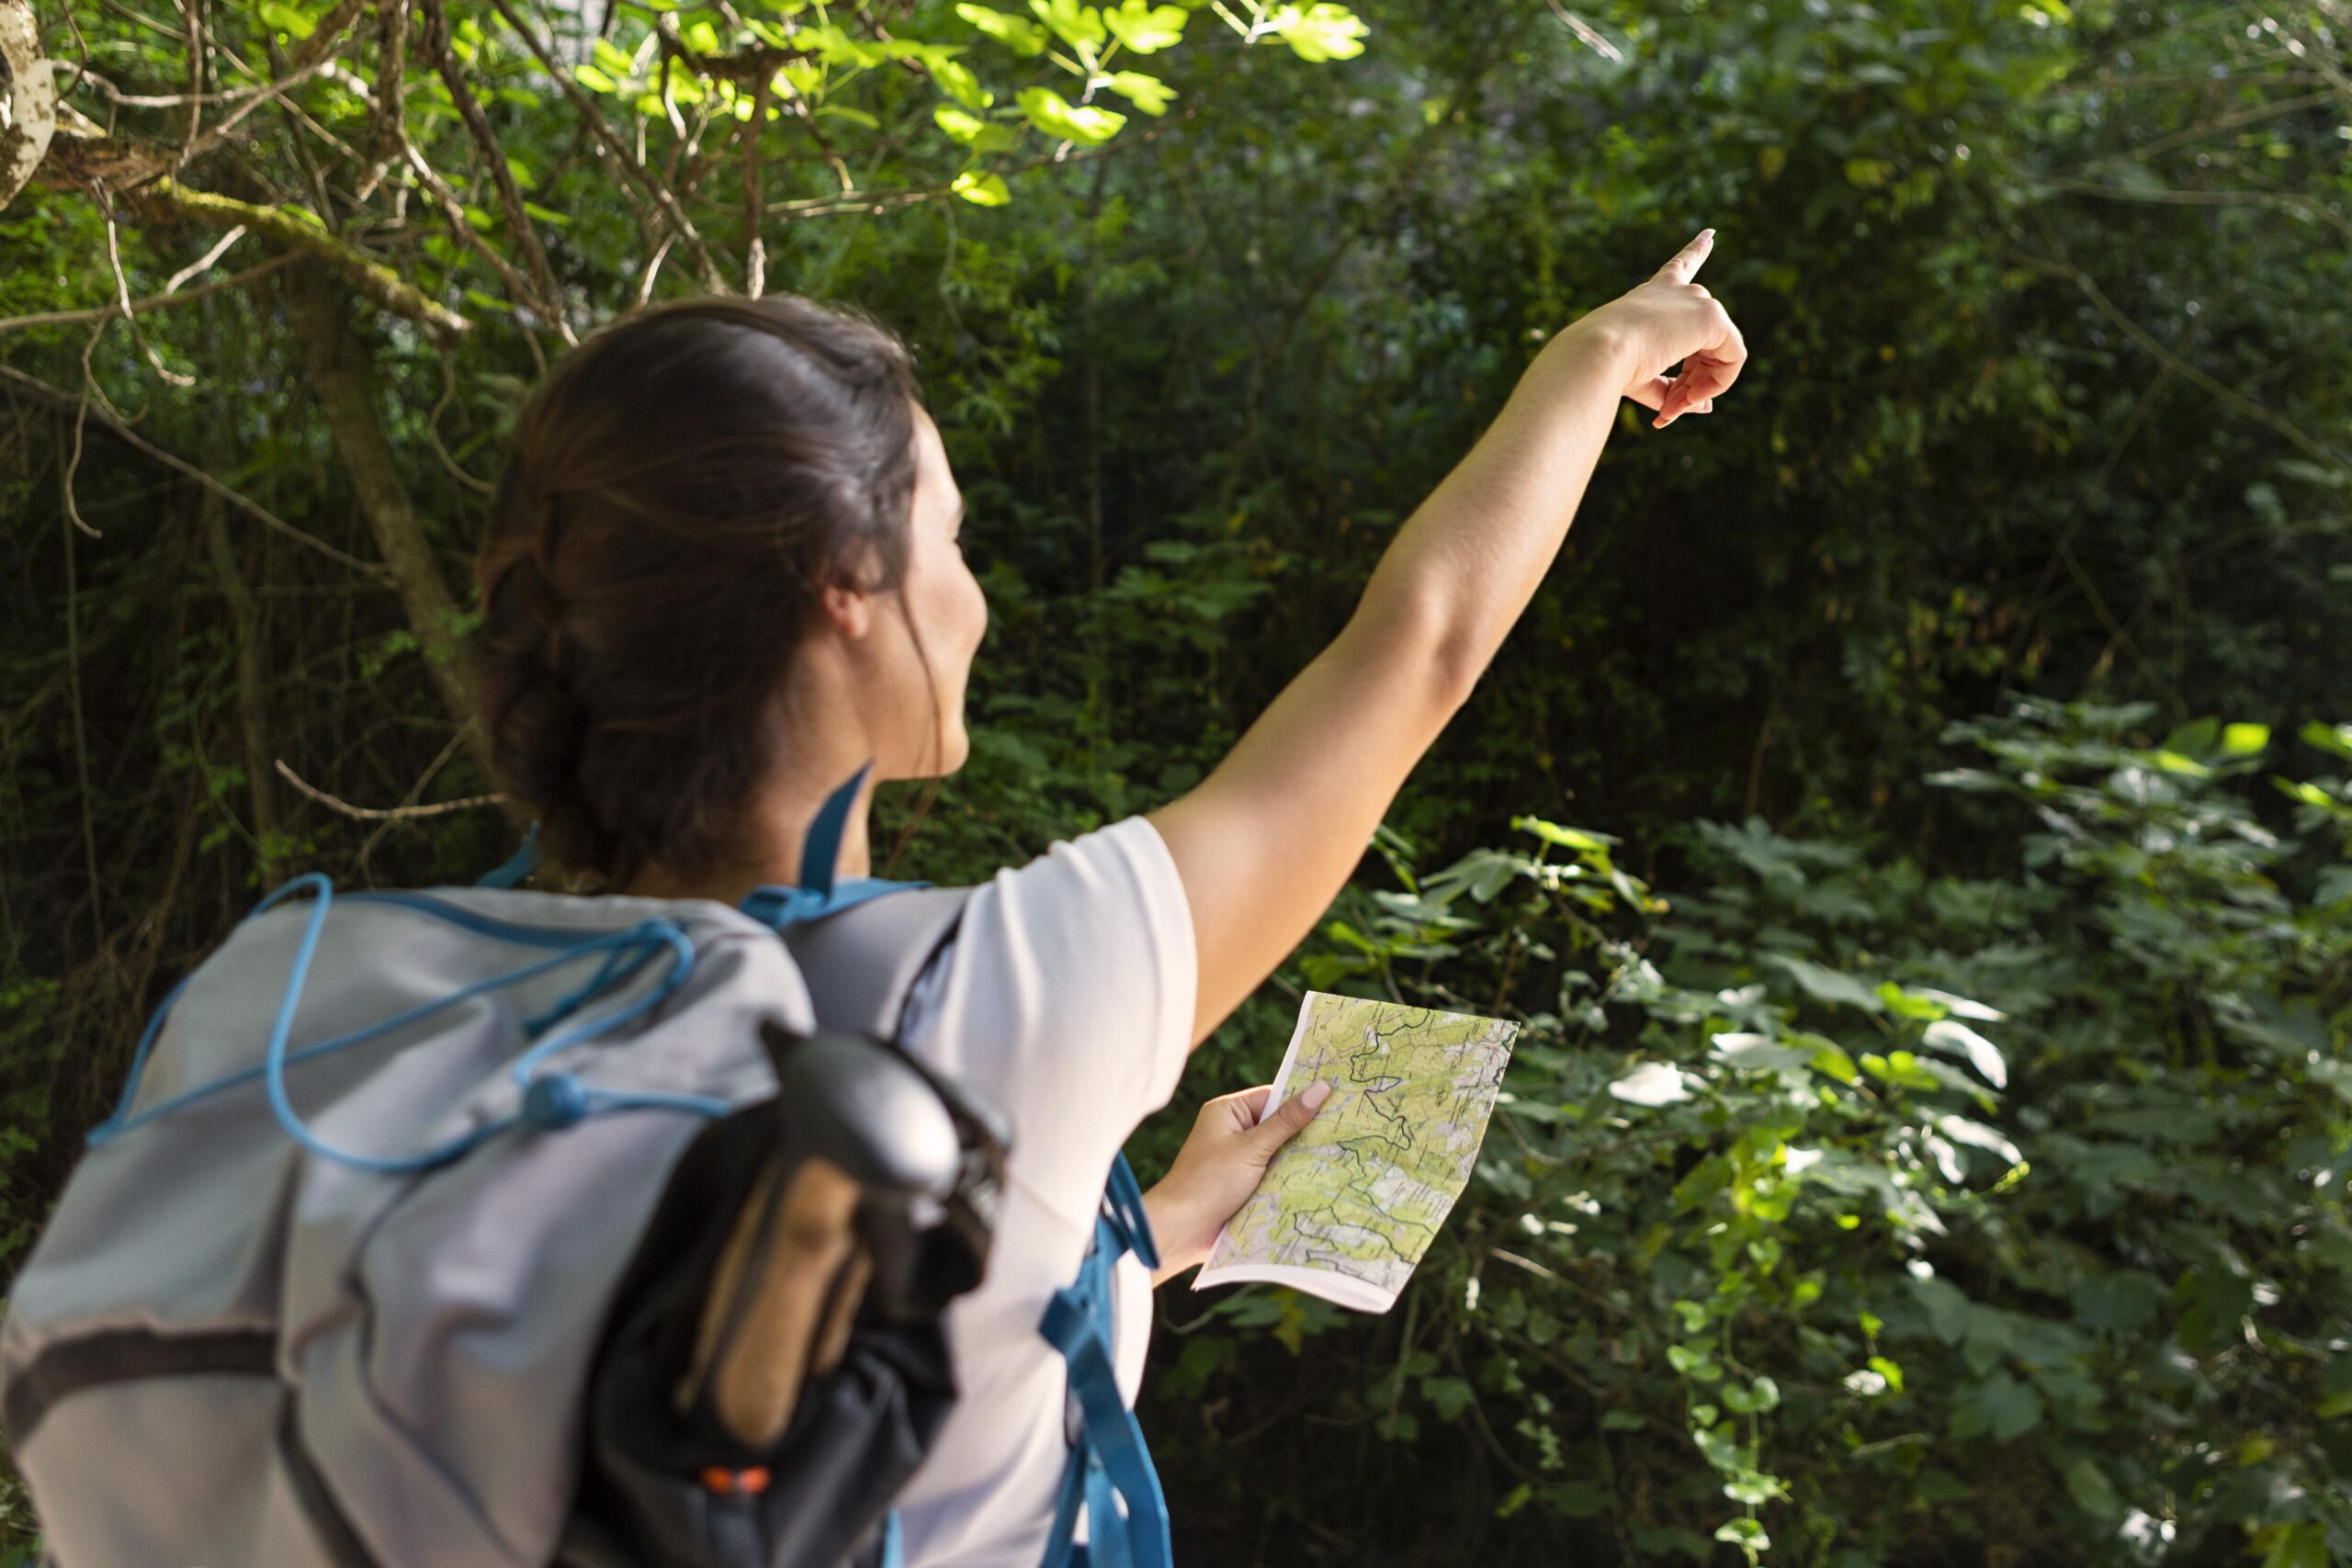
(723, 577)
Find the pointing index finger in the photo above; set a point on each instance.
(1684, 265)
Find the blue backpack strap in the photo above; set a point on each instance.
(820, 851)
(818, 892)
(518, 865)
(1109, 1464)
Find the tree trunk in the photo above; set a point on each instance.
(245, 628)
(338, 368)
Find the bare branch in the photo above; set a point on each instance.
(2138, 334)
(549, 297)
(382, 814)
(67, 403)
(620, 157)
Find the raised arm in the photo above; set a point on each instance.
(1265, 843)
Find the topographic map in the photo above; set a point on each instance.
(1350, 1204)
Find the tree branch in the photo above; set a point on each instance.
(40, 391)
(167, 196)
(518, 222)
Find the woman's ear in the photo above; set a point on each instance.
(849, 611)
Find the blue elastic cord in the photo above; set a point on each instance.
(123, 1123)
(549, 1100)
(518, 865)
(822, 851)
(894, 1540)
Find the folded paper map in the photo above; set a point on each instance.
(1350, 1204)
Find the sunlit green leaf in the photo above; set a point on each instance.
(1319, 32)
(1149, 94)
(1018, 34)
(1057, 117)
(1143, 28)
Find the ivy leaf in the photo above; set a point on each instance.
(1320, 32)
(1143, 28)
(1019, 34)
(1149, 94)
(1058, 117)
(2003, 1405)
(1448, 1396)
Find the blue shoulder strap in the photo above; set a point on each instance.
(1109, 1464)
(516, 866)
(819, 894)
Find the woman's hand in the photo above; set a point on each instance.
(1667, 319)
(1217, 1169)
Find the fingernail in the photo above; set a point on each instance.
(1706, 233)
(1315, 1097)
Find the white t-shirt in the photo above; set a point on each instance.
(1067, 1000)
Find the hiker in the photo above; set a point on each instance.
(592, 1225)
(724, 573)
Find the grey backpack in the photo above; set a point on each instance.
(493, 1229)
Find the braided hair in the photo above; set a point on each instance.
(679, 492)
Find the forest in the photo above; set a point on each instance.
(1913, 825)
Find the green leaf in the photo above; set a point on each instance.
(1143, 28)
(287, 19)
(1651, 1083)
(2006, 1407)
(1747, 1534)
(956, 79)
(1149, 94)
(1566, 838)
(2302, 1545)
(981, 190)
(1320, 32)
(2121, 1301)
(2245, 740)
(1078, 26)
(2087, 1484)
(1696, 1365)
(979, 135)
(596, 80)
(1760, 1054)
(1959, 1040)
(1019, 34)
(1057, 117)
(2333, 739)
(1448, 1396)
(1826, 984)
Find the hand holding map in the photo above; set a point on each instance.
(1347, 1209)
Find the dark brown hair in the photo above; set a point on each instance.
(680, 491)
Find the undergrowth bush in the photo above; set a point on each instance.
(1849, 1213)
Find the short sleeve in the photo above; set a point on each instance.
(1066, 1001)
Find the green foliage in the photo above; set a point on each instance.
(2049, 308)
(1828, 1202)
